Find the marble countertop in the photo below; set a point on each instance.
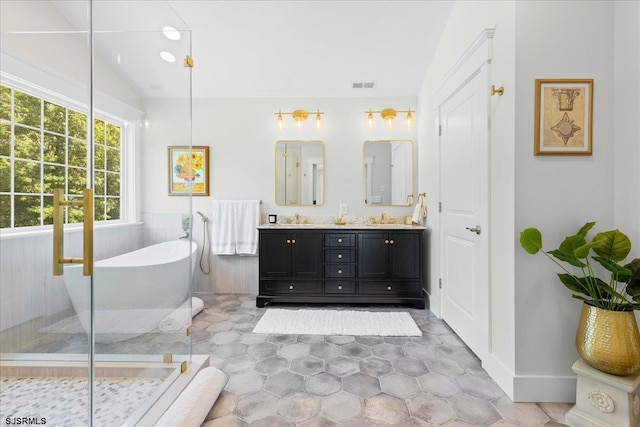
(353, 226)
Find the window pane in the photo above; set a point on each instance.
(98, 182)
(98, 151)
(77, 153)
(54, 117)
(27, 109)
(5, 139)
(27, 177)
(5, 211)
(98, 131)
(27, 211)
(54, 148)
(113, 159)
(113, 208)
(5, 175)
(77, 125)
(113, 184)
(113, 135)
(47, 210)
(75, 214)
(77, 180)
(27, 143)
(53, 178)
(5, 103)
(99, 208)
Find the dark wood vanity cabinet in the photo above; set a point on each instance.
(341, 266)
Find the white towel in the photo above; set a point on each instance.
(180, 317)
(223, 228)
(194, 403)
(419, 212)
(247, 221)
(235, 227)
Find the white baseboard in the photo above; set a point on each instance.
(499, 373)
(530, 388)
(543, 388)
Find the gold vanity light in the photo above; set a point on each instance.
(299, 117)
(389, 117)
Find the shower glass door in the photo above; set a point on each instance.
(86, 336)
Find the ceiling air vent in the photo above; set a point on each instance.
(363, 85)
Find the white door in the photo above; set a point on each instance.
(464, 216)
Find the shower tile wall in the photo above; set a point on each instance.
(30, 296)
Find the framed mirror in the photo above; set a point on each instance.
(299, 173)
(388, 173)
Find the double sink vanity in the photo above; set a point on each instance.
(353, 263)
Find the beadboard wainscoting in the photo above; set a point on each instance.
(31, 297)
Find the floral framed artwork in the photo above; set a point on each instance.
(563, 117)
(188, 170)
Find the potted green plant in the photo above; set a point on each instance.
(607, 336)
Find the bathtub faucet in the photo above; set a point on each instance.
(184, 236)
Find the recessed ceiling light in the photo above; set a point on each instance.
(167, 56)
(171, 33)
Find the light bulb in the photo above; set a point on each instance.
(299, 124)
(279, 121)
(389, 122)
(408, 121)
(318, 121)
(370, 120)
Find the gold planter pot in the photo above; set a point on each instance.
(609, 340)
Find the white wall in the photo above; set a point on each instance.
(466, 22)
(241, 135)
(558, 194)
(626, 130)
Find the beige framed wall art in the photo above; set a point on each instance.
(563, 117)
(188, 170)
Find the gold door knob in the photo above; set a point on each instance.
(339, 271)
(340, 240)
(288, 240)
(339, 256)
(340, 287)
(293, 241)
(290, 286)
(391, 242)
(386, 242)
(389, 288)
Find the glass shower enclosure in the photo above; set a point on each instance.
(95, 306)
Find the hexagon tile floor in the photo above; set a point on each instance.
(322, 381)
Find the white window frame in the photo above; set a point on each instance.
(51, 86)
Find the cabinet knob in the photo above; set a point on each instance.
(293, 241)
(386, 242)
(290, 286)
(340, 240)
(390, 241)
(339, 287)
(389, 288)
(339, 256)
(288, 240)
(339, 271)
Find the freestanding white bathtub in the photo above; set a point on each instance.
(135, 291)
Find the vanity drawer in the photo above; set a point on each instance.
(338, 256)
(339, 239)
(389, 288)
(339, 287)
(339, 270)
(286, 287)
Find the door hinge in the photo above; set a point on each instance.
(439, 206)
(439, 130)
(439, 283)
(188, 62)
